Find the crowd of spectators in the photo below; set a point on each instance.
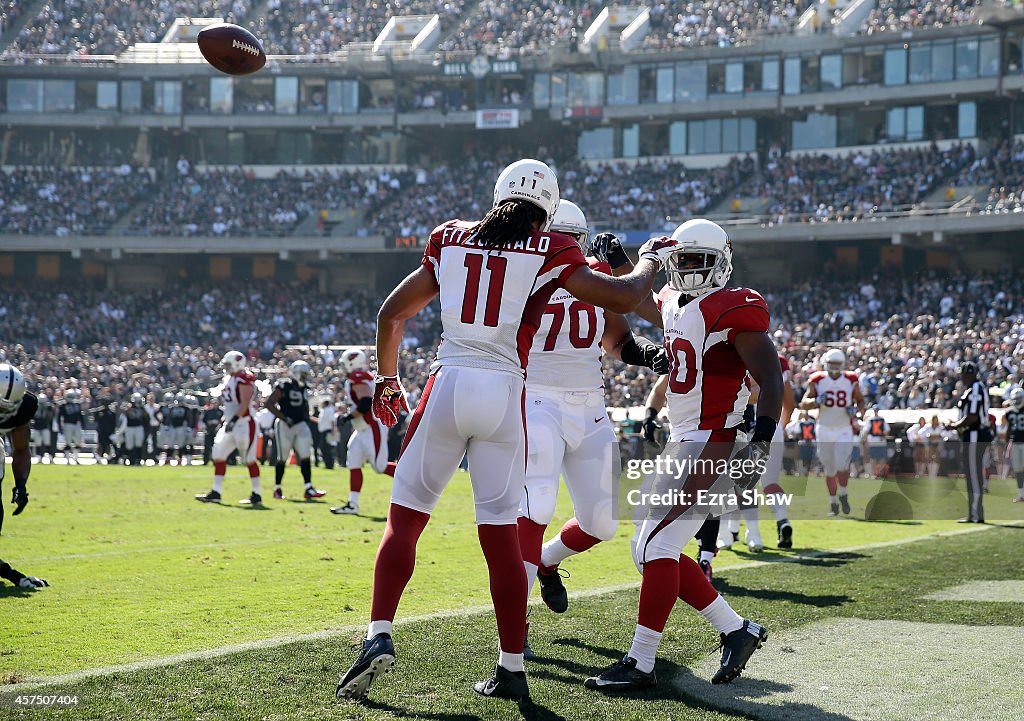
(68, 202)
(86, 27)
(313, 27)
(685, 23)
(904, 333)
(824, 188)
(899, 15)
(409, 203)
(10, 11)
(503, 28)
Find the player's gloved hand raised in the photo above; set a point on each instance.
(389, 400)
(651, 426)
(19, 497)
(602, 244)
(750, 463)
(32, 582)
(659, 360)
(658, 249)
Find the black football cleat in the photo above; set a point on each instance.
(376, 658)
(833, 510)
(622, 676)
(211, 497)
(255, 500)
(311, 493)
(785, 534)
(844, 501)
(552, 590)
(737, 648)
(504, 684)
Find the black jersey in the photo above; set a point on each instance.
(294, 400)
(176, 416)
(165, 415)
(71, 413)
(974, 402)
(136, 416)
(43, 420)
(212, 417)
(26, 411)
(1015, 425)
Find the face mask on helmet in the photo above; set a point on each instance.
(695, 271)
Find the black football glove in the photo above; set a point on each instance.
(607, 248)
(651, 426)
(750, 463)
(230, 425)
(659, 361)
(19, 497)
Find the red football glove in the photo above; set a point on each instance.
(658, 249)
(389, 400)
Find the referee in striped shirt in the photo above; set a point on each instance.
(975, 435)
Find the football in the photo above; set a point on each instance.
(231, 49)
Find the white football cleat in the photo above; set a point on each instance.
(754, 544)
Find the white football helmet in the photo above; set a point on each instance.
(299, 371)
(530, 180)
(703, 261)
(569, 219)
(354, 360)
(233, 362)
(834, 361)
(12, 390)
(1016, 399)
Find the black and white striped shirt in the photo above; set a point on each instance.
(974, 402)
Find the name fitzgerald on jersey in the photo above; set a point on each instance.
(467, 238)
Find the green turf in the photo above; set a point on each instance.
(140, 571)
(439, 659)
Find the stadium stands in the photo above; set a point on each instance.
(68, 202)
(655, 195)
(87, 27)
(679, 23)
(309, 27)
(901, 15)
(905, 333)
(517, 27)
(10, 10)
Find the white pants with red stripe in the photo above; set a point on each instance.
(835, 448)
(472, 412)
(368, 444)
(241, 438)
(571, 437)
(665, 519)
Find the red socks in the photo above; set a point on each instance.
(833, 485)
(355, 481)
(576, 538)
(658, 592)
(694, 587)
(843, 477)
(389, 469)
(396, 559)
(500, 545)
(220, 468)
(531, 538)
(254, 470)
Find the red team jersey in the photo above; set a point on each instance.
(566, 353)
(231, 397)
(355, 378)
(706, 387)
(492, 301)
(835, 396)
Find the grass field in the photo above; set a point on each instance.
(141, 572)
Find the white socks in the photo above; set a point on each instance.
(379, 627)
(511, 661)
(720, 615)
(531, 577)
(708, 556)
(218, 483)
(256, 485)
(353, 497)
(554, 552)
(750, 517)
(645, 647)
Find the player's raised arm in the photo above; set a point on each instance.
(622, 294)
(607, 248)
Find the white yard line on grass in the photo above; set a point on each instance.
(76, 676)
